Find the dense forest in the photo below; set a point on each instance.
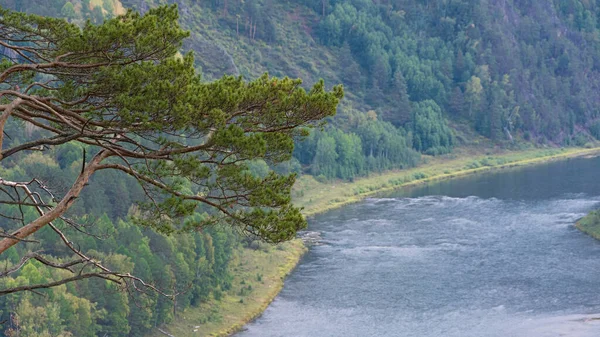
(417, 74)
(195, 264)
(512, 71)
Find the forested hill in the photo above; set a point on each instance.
(420, 77)
(507, 69)
(511, 70)
(528, 68)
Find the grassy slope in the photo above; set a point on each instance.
(296, 54)
(117, 5)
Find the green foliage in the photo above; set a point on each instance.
(97, 307)
(476, 66)
(430, 132)
(590, 224)
(238, 121)
(325, 157)
(125, 75)
(506, 78)
(368, 145)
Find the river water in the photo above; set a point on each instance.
(488, 255)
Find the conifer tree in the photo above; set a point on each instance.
(119, 92)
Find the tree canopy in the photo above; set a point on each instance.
(121, 94)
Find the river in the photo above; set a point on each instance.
(489, 255)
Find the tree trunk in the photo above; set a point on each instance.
(60, 209)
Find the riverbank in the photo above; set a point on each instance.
(590, 224)
(388, 263)
(318, 197)
(273, 263)
(258, 276)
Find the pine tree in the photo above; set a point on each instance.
(119, 91)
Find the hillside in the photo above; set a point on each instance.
(510, 71)
(420, 77)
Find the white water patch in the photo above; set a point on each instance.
(572, 204)
(444, 202)
(377, 201)
(368, 252)
(451, 246)
(378, 222)
(556, 326)
(577, 196)
(568, 201)
(406, 251)
(462, 222)
(349, 321)
(359, 225)
(570, 217)
(545, 221)
(348, 232)
(497, 322)
(558, 214)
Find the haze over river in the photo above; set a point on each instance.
(488, 255)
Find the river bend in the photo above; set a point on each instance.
(490, 255)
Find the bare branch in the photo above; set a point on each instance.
(106, 276)
(61, 207)
(35, 256)
(18, 266)
(7, 110)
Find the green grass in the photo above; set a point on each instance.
(296, 54)
(590, 224)
(258, 277)
(317, 197)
